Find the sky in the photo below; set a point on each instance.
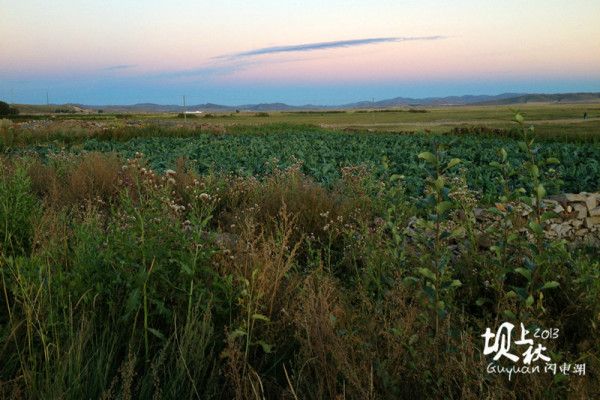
(327, 52)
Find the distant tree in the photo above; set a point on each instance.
(6, 109)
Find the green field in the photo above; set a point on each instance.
(546, 117)
(256, 151)
(553, 119)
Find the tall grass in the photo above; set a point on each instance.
(121, 283)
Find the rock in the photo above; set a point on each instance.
(558, 198)
(566, 198)
(563, 229)
(591, 202)
(576, 223)
(590, 222)
(553, 205)
(581, 210)
(572, 197)
(581, 232)
(577, 218)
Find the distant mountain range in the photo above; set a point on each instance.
(397, 102)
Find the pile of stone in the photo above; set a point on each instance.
(578, 215)
(576, 220)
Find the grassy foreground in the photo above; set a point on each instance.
(121, 282)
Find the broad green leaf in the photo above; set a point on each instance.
(456, 283)
(512, 237)
(550, 285)
(503, 154)
(426, 272)
(529, 301)
(261, 317)
(525, 272)
(237, 333)
(535, 227)
(453, 162)
(534, 170)
(519, 118)
(266, 347)
(522, 146)
(409, 280)
(427, 156)
(540, 191)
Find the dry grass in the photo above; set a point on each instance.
(141, 285)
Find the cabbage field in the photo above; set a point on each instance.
(256, 151)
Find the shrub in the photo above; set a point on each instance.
(6, 109)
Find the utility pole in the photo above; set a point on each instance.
(184, 111)
(47, 101)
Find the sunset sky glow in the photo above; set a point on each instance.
(298, 52)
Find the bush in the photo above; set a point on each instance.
(6, 109)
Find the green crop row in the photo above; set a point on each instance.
(323, 154)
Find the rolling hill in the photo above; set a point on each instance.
(397, 102)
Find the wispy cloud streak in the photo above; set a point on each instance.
(230, 63)
(326, 45)
(209, 70)
(118, 67)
